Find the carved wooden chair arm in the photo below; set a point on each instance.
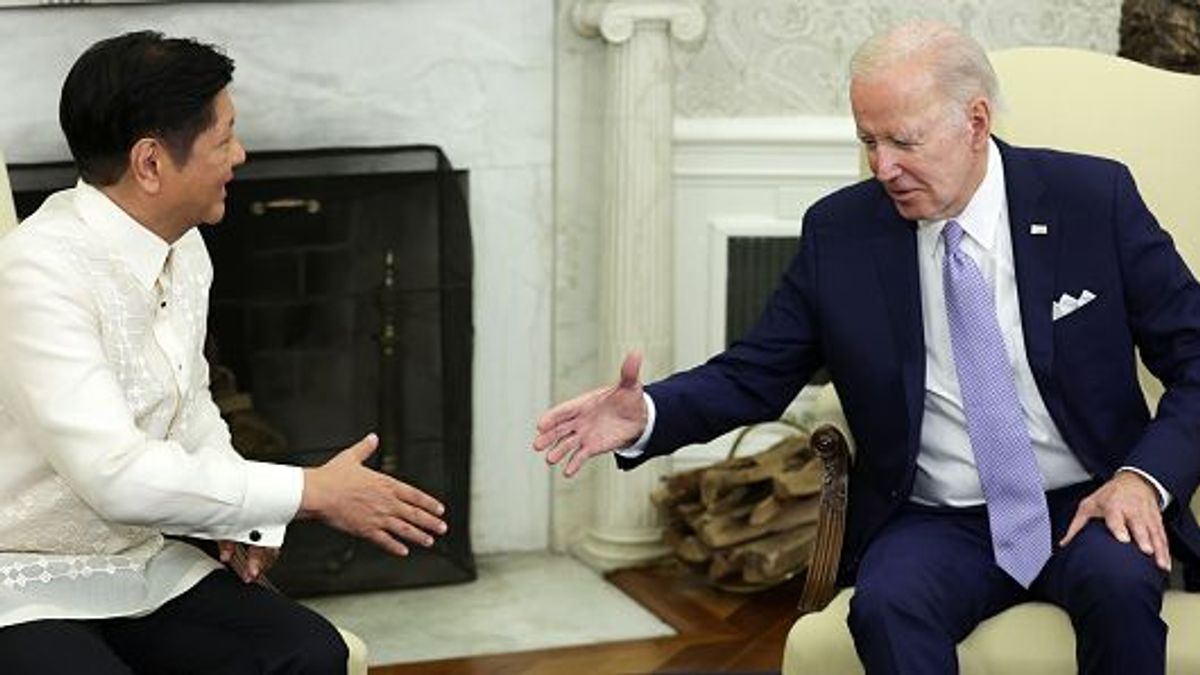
(833, 450)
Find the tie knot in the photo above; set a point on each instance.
(952, 233)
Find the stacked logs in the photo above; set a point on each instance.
(747, 522)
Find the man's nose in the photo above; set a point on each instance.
(239, 152)
(884, 165)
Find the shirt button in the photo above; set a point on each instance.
(163, 304)
(255, 535)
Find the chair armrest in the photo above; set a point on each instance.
(832, 448)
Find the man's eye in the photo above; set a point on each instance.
(869, 142)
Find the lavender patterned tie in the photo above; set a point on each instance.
(1012, 484)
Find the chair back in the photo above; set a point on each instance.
(8, 211)
(1099, 104)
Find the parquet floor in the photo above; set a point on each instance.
(717, 632)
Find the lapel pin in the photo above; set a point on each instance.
(1038, 229)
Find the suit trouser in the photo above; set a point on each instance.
(929, 577)
(221, 625)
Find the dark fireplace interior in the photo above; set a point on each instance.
(754, 266)
(341, 304)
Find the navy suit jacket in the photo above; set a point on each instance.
(850, 302)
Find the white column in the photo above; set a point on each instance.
(637, 294)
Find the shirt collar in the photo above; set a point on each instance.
(982, 214)
(143, 251)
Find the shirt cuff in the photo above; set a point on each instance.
(1164, 497)
(273, 494)
(639, 446)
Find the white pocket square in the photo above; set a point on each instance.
(1067, 304)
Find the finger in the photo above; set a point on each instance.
(578, 457)
(238, 563)
(363, 449)
(1116, 524)
(398, 527)
(630, 369)
(1162, 547)
(547, 439)
(562, 447)
(567, 410)
(421, 518)
(412, 496)
(1141, 536)
(384, 541)
(263, 558)
(1081, 518)
(225, 550)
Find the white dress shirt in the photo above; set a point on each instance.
(946, 472)
(109, 437)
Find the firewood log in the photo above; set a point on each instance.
(801, 481)
(734, 527)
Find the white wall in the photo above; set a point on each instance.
(473, 76)
(789, 57)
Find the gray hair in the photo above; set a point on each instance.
(961, 68)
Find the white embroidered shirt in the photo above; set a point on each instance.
(109, 437)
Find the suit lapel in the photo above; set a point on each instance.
(895, 253)
(1036, 240)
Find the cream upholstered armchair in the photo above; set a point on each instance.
(1071, 100)
(357, 661)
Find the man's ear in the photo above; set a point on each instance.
(147, 160)
(979, 115)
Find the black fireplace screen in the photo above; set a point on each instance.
(341, 304)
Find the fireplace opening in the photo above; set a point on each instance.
(754, 265)
(341, 304)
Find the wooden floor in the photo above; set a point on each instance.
(718, 632)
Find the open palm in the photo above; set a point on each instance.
(600, 421)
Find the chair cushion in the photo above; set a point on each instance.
(1032, 639)
(356, 660)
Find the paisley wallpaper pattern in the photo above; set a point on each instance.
(788, 57)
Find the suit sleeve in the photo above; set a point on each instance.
(756, 378)
(1163, 301)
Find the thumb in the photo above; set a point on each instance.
(629, 370)
(363, 449)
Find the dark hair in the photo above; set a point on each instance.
(136, 85)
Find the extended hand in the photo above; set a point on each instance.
(249, 563)
(1128, 504)
(599, 421)
(366, 503)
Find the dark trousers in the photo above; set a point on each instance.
(219, 626)
(929, 578)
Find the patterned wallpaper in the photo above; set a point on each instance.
(789, 57)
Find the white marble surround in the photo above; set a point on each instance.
(473, 76)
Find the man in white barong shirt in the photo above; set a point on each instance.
(109, 437)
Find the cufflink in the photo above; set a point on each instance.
(1038, 229)
(255, 535)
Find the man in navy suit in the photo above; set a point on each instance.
(1073, 273)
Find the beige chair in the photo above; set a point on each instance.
(1071, 100)
(357, 661)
